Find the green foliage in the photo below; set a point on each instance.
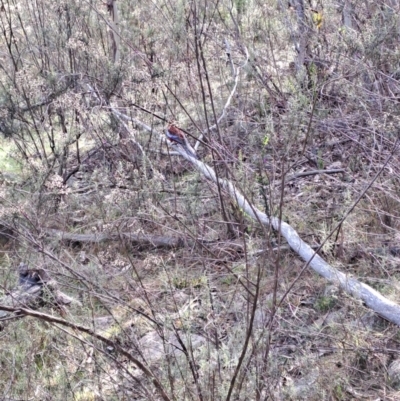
(240, 6)
(325, 303)
(339, 392)
(85, 139)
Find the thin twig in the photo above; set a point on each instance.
(56, 320)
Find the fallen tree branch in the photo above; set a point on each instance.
(373, 299)
(156, 241)
(313, 172)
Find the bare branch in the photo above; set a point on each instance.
(56, 320)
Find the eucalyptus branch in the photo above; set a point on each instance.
(372, 298)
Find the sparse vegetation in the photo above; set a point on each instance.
(156, 284)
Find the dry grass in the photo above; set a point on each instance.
(186, 312)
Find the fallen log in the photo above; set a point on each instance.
(156, 241)
(372, 298)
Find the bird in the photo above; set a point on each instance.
(177, 137)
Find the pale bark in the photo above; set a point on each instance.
(372, 299)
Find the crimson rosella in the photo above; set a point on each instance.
(176, 136)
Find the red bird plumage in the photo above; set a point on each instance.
(176, 136)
